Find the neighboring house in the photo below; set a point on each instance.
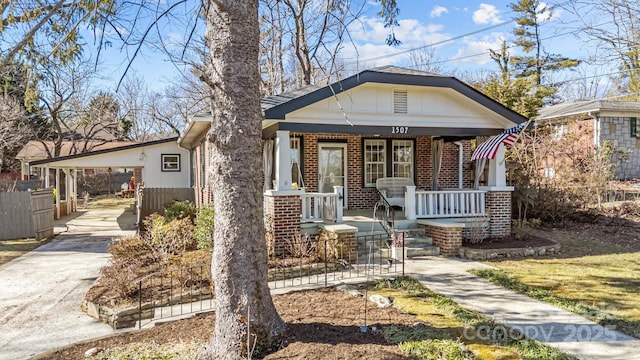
(36, 150)
(328, 145)
(156, 164)
(596, 122)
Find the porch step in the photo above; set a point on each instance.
(415, 250)
(418, 245)
(418, 240)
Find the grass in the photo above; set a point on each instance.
(598, 281)
(452, 330)
(110, 202)
(11, 249)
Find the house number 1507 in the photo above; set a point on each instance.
(399, 129)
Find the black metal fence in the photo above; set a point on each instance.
(301, 261)
(330, 260)
(174, 292)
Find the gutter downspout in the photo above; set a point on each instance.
(460, 163)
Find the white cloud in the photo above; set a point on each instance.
(476, 50)
(547, 14)
(369, 36)
(486, 14)
(438, 10)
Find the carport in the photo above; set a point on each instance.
(158, 164)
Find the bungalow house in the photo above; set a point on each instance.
(596, 122)
(326, 147)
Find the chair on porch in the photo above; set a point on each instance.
(393, 189)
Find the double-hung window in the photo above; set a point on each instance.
(375, 165)
(387, 158)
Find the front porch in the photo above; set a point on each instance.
(446, 217)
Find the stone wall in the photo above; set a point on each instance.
(618, 131)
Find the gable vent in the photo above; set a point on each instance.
(399, 101)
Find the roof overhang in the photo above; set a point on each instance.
(196, 126)
(100, 152)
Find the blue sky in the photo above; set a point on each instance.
(421, 23)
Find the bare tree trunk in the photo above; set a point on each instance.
(239, 263)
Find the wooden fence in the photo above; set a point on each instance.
(154, 199)
(26, 215)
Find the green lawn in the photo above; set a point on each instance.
(11, 249)
(451, 327)
(587, 277)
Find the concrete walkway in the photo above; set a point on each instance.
(41, 292)
(570, 333)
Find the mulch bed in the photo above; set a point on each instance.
(322, 324)
(507, 242)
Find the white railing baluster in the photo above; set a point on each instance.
(450, 203)
(313, 206)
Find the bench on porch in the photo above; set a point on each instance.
(393, 189)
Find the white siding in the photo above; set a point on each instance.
(152, 175)
(372, 104)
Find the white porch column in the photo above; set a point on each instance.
(410, 203)
(57, 188)
(67, 190)
(46, 177)
(283, 161)
(497, 170)
(74, 175)
(339, 191)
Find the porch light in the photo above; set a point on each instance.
(143, 156)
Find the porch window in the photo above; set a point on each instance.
(387, 157)
(374, 161)
(402, 158)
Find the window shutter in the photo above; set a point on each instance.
(633, 130)
(399, 101)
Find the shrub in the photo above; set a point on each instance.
(204, 227)
(300, 246)
(130, 260)
(180, 209)
(166, 237)
(330, 248)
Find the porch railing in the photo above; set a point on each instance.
(447, 203)
(321, 207)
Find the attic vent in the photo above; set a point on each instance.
(399, 101)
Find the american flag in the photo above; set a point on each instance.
(489, 148)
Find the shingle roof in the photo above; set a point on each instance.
(586, 106)
(37, 150)
(105, 151)
(275, 100)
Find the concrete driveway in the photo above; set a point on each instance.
(41, 292)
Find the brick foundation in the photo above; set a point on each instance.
(498, 205)
(343, 238)
(447, 238)
(284, 211)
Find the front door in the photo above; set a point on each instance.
(332, 167)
